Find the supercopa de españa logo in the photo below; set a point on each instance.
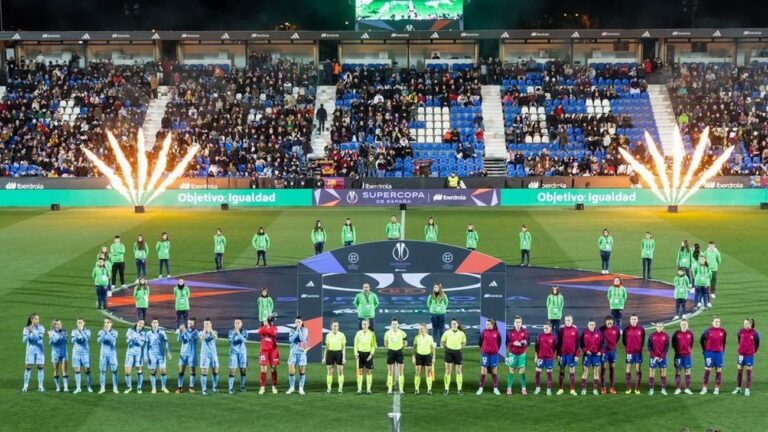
(400, 252)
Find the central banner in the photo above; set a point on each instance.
(423, 197)
(401, 274)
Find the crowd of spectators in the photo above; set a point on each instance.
(51, 109)
(258, 121)
(565, 99)
(254, 122)
(379, 109)
(732, 102)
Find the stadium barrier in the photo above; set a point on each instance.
(379, 198)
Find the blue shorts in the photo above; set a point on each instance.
(81, 360)
(238, 361)
(134, 360)
(567, 360)
(609, 357)
(297, 359)
(37, 358)
(209, 361)
(57, 357)
(489, 361)
(682, 362)
(110, 361)
(593, 360)
(635, 358)
(188, 360)
(713, 359)
(746, 360)
(660, 364)
(155, 361)
(544, 364)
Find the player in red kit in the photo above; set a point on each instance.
(682, 343)
(611, 335)
(269, 356)
(749, 342)
(591, 343)
(568, 352)
(713, 344)
(545, 353)
(490, 343)
(634, 339)
(658, 346)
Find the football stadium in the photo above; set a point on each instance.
(383, 215)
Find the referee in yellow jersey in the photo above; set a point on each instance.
(335, 354)
(364, 346)
(395, 340)
(453, 340)
(423, 357)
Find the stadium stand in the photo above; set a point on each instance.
(732, 102)
(565, 121)
(254, 122)
(51, 109)
(407, 123)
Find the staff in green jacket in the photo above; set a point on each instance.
(702, 280)
(393, 229)
(141, 299)
(681, 284)
(100, 275)
(605, 244)
(318, 237)
(555, 306)
(525, 246)
(348, 233)
(163, 249)
(685, 260)
(647, 246)
(181, 297)
(713, 260)
(219, 247)
(117, 258)
(437, 303)
(617, 297)
(472, 237)
(261, 243)
(430, 230)
(366, 303)
(266, 305)
(140, 252)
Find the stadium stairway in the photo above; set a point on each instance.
(664, 115)
(493, 120)
(326, 95)
(154, 116)
(2, 91)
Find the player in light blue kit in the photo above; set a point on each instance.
(57, 339)
(107, 338)
(157, 349)
(238, 356)
(32, 337)
(209, 358)
(81, 355)
(136, 340)
(187, 336)
(299, 339)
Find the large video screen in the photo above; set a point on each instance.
(413, 10)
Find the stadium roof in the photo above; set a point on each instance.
(239, 35)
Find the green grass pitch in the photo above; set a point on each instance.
(47, 258)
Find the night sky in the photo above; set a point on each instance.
(332, 14)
